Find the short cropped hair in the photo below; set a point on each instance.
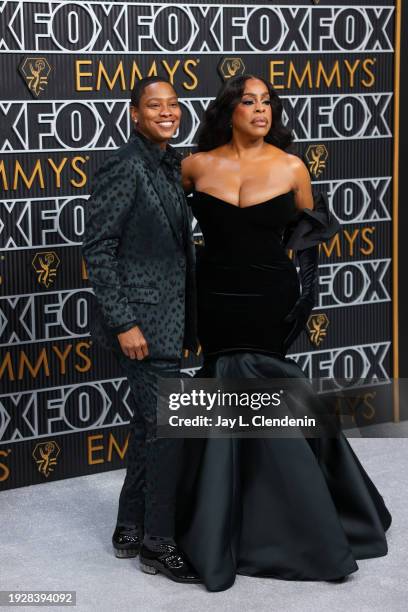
(140, 86)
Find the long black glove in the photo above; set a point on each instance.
(308, 263)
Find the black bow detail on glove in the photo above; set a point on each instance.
(308, 263)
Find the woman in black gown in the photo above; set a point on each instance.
(296, 509)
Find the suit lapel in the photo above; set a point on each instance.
(166, 201)
(184, 211)
(151, 161)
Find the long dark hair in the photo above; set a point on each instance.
(215, 129)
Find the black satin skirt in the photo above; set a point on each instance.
(294, 509)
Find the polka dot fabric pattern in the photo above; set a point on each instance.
(139, 252)
(149, 492)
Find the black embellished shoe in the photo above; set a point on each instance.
(127, 541)
(170, 561)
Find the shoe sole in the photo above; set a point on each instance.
(128, 553)
(153, 570)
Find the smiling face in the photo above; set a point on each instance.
(253, 114)
(158, 114)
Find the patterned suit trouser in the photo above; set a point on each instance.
(148, 494)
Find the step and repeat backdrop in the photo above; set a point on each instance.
(67, 70)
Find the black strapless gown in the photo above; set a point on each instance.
(296, 509)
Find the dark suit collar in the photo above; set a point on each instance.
(154, 154)
(170, 163)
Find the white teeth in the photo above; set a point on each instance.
(166, 123)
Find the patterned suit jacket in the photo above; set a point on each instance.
(139, 251)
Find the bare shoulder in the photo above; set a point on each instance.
(291, 165)
(297, 165)
(192, 167)
(298, 170)
(194, 162)
(194, 158)
(301, 181)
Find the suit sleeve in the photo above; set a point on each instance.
(112, 198)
